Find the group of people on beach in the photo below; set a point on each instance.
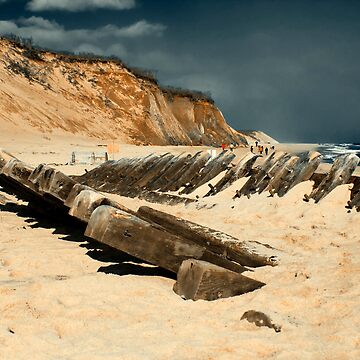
(260, 148)
(231, 147)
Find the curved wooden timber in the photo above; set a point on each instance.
(241, 169)
(260, 174)
(340, 173)
(246, 253)
(211, 169)
(148, 241)
(195, 164)
(277, 179)
(166, 174)
(303, 170)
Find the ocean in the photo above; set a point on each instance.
(331, 151)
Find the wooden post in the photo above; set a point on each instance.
(198, 279)
(245, 253)
(149, 242)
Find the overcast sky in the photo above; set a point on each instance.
(290, 68)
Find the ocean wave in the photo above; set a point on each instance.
(331, 151)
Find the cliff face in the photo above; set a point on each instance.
(52, 93)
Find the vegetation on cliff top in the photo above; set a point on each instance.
(35, 52)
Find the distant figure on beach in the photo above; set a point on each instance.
(266, 151)
(256, 143)
(251, 148)
(223, 146)
(273, 147)
(231, 147)
(261, 149)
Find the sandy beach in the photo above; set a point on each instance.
(63, 297)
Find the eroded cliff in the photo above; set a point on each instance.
(51, 92)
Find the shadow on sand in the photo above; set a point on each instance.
(70, 229)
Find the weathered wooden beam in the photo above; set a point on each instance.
(340, 173)
(356, 187)
(144, 167)
(278, 178)
(241, 169)
(173, 174)
(198, 161)
(355, 202)
(167, 172)
(18, 171)
(5, 157)
(355, 195)
(14, 176)
(200, 280)
(153, 171)
(302, 171)
(88, 200)
(47, 180)
(211, 169)
(245, 253)
(261, 174)
(148, 242)
(161, 198)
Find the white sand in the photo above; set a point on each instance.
(54, 304)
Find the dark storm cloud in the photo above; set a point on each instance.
(287, 67)
(102, 40)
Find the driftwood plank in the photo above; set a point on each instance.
(198, 279)
(241, 169)
(302, 171)
(146, 241)
(340, 173)
(211, 169)
(243, 252)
